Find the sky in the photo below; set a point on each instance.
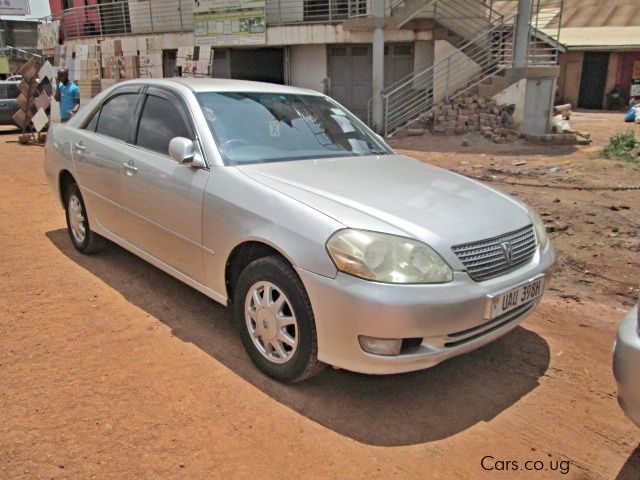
(39, 8)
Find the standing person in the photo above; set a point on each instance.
(68, 94)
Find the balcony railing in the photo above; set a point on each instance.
(160, 16)
(127, 17)
(288, 12)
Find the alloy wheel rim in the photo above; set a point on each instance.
(271, 322)
(77, 220)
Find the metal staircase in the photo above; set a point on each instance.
(13, 52)
(479, 59)
(484, 52)
(463, 17)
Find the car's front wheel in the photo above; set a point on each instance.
(276, 322)
(82, 237)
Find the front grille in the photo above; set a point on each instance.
(486, 259)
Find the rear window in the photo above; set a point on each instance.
(9, 90)
(12, 90)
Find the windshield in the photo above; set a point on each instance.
(271, 127)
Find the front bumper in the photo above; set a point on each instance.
(448, 317)
(626, 365)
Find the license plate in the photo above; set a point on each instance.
(504, 302)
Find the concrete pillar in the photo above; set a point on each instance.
(521, 42)
(377, 74)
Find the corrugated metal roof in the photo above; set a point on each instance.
(593, 38)
(599, 13)
(583, 13)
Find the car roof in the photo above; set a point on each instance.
(228, 85)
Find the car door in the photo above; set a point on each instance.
(99, 152)
(4, 104)
(163, 198)
(8, 104)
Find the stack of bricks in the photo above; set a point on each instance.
(473, 114)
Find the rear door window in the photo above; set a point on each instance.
(161, 121)
(12, 91)
(115, 116)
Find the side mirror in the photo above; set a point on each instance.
(183, 151)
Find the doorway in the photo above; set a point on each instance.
(169, 60)
(350, 69)
(593, 79)
(258, 64)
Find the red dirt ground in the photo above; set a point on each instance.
(110, 368)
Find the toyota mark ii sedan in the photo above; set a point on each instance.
(276, 201)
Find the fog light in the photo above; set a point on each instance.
(381, 346)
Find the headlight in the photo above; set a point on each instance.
(387, 258)
(538, 226)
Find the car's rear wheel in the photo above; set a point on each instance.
(276, 322)
(82, 237)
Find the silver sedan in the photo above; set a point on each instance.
(277, 201)
(626, 364)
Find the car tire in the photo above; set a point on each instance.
(264, 320)
(83, 238)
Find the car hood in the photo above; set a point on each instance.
(395, 194)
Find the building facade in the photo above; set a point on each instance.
(16, 35)
(433, 50)
(603, 51)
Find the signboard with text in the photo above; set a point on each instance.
(229, 22)
(14, 7)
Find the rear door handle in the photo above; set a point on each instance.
(129, 168)
(79, 147)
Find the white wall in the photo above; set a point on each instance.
(309, 66)
(514, 94)
(462, 70)
(323, 33)
(423, 55)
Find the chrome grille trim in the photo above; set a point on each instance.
(485, 259)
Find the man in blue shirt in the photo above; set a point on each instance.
(68, 94)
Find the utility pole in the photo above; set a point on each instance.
(377, 77)
(523, 25)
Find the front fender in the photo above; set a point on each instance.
(238, 209)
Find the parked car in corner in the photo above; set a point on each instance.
(626, 364)
(277, 201)
(8, 102)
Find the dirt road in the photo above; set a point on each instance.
(110, 368)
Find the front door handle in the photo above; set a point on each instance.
(129, 168)
(79, 147)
